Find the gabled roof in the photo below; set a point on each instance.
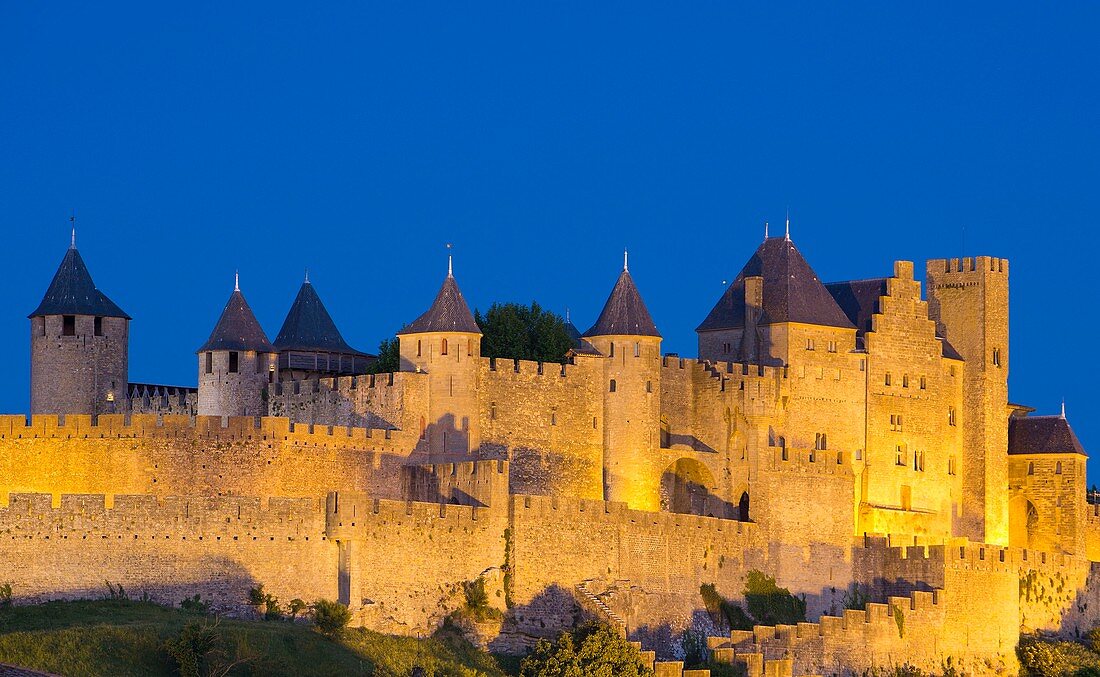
(237, 329)
(625, 313)
(309, 327)
(72, 292)
(449, 312)
(1042, 435)
(792, 292)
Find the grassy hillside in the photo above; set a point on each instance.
(123, 637)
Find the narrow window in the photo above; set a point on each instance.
(1031, 468)
(840, 458)
(612, 385)
(824, 441)
(859, 454)
(905, 380)
(923, 383)
(418, 353)
(210, 363)
(783, 453)
(809, 344)
(996, 357)
(862, 365)
(637, 349)
(813, 456)
(832, 346)
(899, 458)
(234, 359)
(493, 411)
(593, 422)
(649, 386)
(887, 378)
(68, 325)
(916, 460)
(97, 326)
(553, 418)
(1058, 468)
(893, 422)
(612, 352)
(951, 416)
(443, 350)
(951, 465)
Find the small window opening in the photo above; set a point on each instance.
(210, 363)
(649, 386)
(905, 381)
(234, 361)
(996, 357)
(493, 411)
(1031, 468)
(637, 349)
(1058, 468)
(97, 326)
(553, 418)
(611, 353)
(951, 416)
(612, 385)
(418, 348)
(923, 383)
(951, 465)
(899, 458)
(832, 346)
(443, 350)
(68, 325)
(783, 453)
(887, 378)
(809, 344)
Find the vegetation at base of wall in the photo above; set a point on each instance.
(331, 618)
(1049, 658)
(593, 650)
(723, 611)
(123, 637)
(515, 331)
(5, 595)
(196, 604)
(389, 357)
(477, 606)
(769, 604)
(265, 604)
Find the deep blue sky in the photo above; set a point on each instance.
(357, 139)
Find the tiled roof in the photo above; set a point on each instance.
(237, 329)
(449, 312)
(791, 290)
(1042, 435)
(309, 327)
(625, 313)
(72, 292)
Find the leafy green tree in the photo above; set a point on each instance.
(770, 604)
(389, 357)
(589, 651)
(330, 617)
(515, 331)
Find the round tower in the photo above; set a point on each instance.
(79, 345)
(236, 364)
(445, 343)
(625, 334)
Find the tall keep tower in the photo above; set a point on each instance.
(625, 334)
(968, 299)
(236, 364)
(79, 345)
(445, 343)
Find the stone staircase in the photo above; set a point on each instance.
(595, 606)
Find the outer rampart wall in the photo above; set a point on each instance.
(169, 548)
(173, 456)
(385, 401)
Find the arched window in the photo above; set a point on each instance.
(443, 350)
(612, 385)
(743, 507)
(1058, 468)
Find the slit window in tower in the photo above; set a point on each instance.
(210, 363)
(996, 357)
(418, 347)
(97, 326)
(443, 350)
(234, 361)
(612, 385)
(637, 349)
(68, 325)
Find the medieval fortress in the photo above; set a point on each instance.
(849, 439)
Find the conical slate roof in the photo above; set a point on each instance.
(237, 329)
(1042, 435)
(72, 292)
(308, 326)
(625, 313)
(449, 312)
(792, 292)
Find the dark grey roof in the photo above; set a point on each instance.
(574, 333)
(309, 327)
(449, 312)
(625, 313)
(949, 350)
(72, 292)
(1042, 435)
(792, 292)
(237, 329)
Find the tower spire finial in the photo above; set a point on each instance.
(307, 276)
(765, 230)
(567, 314)
(1063, 407)
(787, 235)
(450, 264)
(236, 280)
(72, 220)
(624, 259)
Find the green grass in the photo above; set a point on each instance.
(122, 637)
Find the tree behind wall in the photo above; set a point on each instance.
(516, 331)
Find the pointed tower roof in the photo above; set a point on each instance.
(237, 329)
(1042, 435)
(308, 326)
(625, 313)
(72, 292)
(449, 312)
(792, 292)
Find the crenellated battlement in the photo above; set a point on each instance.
(243, 428)
(973, 264)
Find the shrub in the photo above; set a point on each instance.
(477, 602)
(295, 607)
(264, 603)
(1053, 659)
(5, 595)
(770, 604)
(330, 617)
(115, 591)
(188, 650)
(272, 610)
(694, 645)
(256, 596)
(196, 604)
(591, 650)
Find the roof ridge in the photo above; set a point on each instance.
(624, 313)
(237, 329)
(448, 313)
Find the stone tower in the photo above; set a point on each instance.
(445, 343)
(79, 345)
(968, 299)
(236, 364)
(625, 334)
